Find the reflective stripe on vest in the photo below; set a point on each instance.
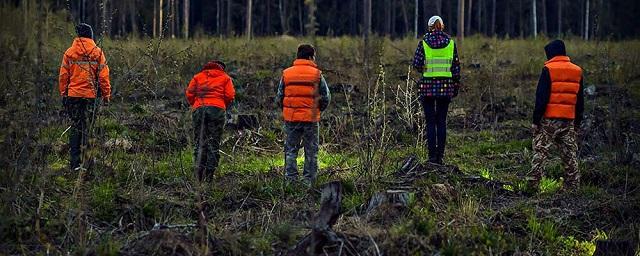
(438, 61)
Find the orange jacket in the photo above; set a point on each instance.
(211, 87)
(565, 85)
(84, 64)
(301, 95)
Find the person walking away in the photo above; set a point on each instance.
(437, 59)
(557, 114)
(303, 94)
(209, 93)
(84, 76)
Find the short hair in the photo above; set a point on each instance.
(306, 51)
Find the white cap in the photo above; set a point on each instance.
(433, 20)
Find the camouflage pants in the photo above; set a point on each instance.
(301, 134)
(562, 134)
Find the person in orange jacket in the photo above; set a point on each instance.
(84, 76)
(557, 114)
(303, 94)
(209, 93)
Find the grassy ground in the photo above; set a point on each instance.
(142, 144)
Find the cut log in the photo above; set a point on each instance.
(321, 234)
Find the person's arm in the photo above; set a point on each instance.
(580, 104)
(325, 94)
(418, 58)
(280, 93)
(64, 76)
(229, 92)
(190, 92)
(103, 76)
(543, 92)
(455, 65)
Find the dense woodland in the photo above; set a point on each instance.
(505, 18)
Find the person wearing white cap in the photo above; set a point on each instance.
(436, 58)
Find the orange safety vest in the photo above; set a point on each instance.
(565, 84)
(301, 94)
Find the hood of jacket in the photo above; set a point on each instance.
(437, 39)
(83, 47)
(554, 49)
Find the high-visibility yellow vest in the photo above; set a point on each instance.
(437, 62)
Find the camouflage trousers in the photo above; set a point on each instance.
(562, 134)
(301, 134)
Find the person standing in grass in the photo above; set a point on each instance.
(437, 59)
(557, 114)
(84, 76)
(209, 93)
(303, 94)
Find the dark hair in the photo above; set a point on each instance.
(306, 51)
(84, 30)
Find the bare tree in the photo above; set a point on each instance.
(534, 19)
(461, 20)
(248, 20)
(160, 23)
(282, 7)
(559, 17)
(185, 17)
(229, 27)
(586, 20)
(493, 17)
(415, 20)
(311, 25)
(544, 17)
(470, 15)
(367, 18)
(405, 16)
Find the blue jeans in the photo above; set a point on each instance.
(301, 134)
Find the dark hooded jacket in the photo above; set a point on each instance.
(438, 87)
(543, 92)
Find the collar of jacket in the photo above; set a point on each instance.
(83, 41)
(558, 59)
(304, 62)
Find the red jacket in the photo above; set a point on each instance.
(84, 64)
(211, 87)
(301, 96)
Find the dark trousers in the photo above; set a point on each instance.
(208, 124)
(81, 112)
(435, 112)
(301, 134)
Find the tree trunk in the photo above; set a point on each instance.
(479, 6)
(559, 17)
(460, 20)
(586, 21)
(387, 17)
(415, 20)
(367, 18)
(439, 7)
(105, 18)
(311, 26)
(493, 18)
(229, 28)
(534, 19)
(160, 20)
(218, 18)
(405, 16)
(284, 22)
(133, 16)
(185, 17)
(470, 15)
(268, 23)
(155, 18)
(248, 20)
(507, 19)
(544, 17)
